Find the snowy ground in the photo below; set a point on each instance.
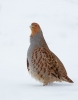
(59, 22)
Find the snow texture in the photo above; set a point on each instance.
(59, 22)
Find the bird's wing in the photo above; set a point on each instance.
(51, 62)
(62, 69)
(43, 57)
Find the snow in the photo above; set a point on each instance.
(59, 22)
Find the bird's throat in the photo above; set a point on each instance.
(32, 34)
(34, 31)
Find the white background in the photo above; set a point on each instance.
(59, 22)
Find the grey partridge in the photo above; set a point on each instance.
(42, 63)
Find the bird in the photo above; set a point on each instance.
(42, 63)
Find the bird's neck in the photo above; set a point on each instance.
(38, 39)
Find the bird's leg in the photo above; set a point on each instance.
(44, 84)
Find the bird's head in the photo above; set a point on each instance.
(35, 28)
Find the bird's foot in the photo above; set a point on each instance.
(44, 84)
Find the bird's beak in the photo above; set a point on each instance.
(31, 26)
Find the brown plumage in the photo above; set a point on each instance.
(43, 64)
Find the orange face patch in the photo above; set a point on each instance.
(34, 29)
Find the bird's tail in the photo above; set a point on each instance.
(67, 79)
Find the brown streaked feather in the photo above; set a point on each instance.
(62, 69)
(51, 65)
(56, 67)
